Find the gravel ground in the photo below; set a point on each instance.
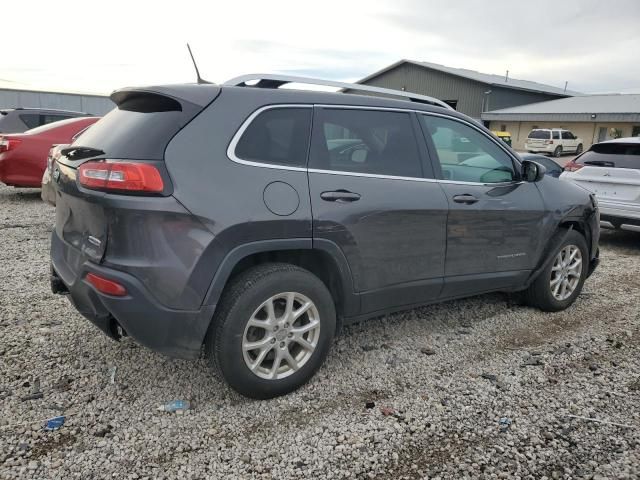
(415, 395)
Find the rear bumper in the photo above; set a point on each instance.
(176, 333)
(540, 148)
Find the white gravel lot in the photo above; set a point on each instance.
(400, 397)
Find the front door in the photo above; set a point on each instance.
(370, 198)
(494, 219)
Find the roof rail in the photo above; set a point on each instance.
(276, 81)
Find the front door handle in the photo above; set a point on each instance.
(466, 199)
(341, 196)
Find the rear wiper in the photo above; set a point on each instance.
(600, 163)
(78, 153)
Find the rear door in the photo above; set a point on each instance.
(494, 218)
(370, 197)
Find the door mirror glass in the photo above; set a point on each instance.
(532, 171)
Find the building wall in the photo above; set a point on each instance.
(501, 97)
(469, 94)
(587, 131)
(94, 104)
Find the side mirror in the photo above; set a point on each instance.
(532, 171)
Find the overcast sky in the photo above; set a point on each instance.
(99, 46)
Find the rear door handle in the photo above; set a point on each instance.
(341, 196)
(465, 198)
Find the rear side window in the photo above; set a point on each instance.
(365, 141)
(540, 134)
(31, 120)
(556, 136)
(53, 118)
(278, 136)
(612, 155)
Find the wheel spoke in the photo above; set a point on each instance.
(304, 343)
(248, 346)
(260, 358)
(263, 324)
(271, 314)
(277, 360)
(289, 308)
(305, 328)
(301, 310)
(290, 360)
(556, 280)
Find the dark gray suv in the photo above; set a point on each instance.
(256, 221)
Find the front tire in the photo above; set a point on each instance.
(272, 330)
(579, 149)
(560, 283)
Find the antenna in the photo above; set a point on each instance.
(506, 77)
(200, 80)
(565, 86)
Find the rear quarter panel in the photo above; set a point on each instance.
(225, 196)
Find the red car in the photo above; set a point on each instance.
(23, 156)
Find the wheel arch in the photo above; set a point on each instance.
(322, 258)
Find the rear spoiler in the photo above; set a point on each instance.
(167, 97)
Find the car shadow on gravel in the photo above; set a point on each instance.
(628, 241)
(22, 194)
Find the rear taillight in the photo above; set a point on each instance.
(572, 166)
(121, 176)
(548, 142)
(106, 286)
(7, 144)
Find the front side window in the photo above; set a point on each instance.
(567, 135)
(279, 136)
(465, 154)
(53, 118)
(365, 141)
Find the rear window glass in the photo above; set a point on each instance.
(616, 155)
(279, 136)
(134, 135)
(543, 134)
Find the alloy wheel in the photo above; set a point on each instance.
(566, 272)
(281, 335)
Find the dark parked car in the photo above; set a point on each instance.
(18, 120)
(256, 221)
(553, 168)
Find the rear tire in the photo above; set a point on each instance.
(557, 152)
(560, 283)
(257, 341)
(579, 149)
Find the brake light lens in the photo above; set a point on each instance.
(121, 176)
(106, 286)
(548, 142)
(572, 166)
(7, 144)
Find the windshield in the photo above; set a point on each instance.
(543, 134)
(616, 155)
